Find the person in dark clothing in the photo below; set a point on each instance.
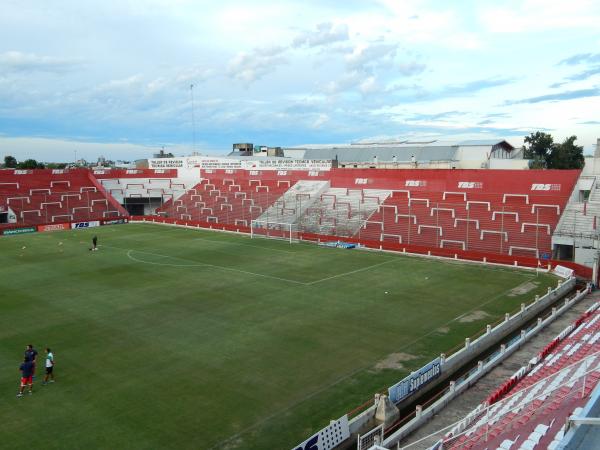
(94, 243)
(30, 353)
(27, 369)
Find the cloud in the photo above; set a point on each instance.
(536, 16)
(566, 95)
(252, 66)
(365, 55)
(14, 61)
(557, 85)
(370, 67)
(325, 34)
(438, 116)
(581, 58)
(585, 74)
(193, 74)
(590, 59)
(321, 120)
(470, 87)
(589, 122)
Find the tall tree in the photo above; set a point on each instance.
(30, 164)
(566, 155)
(537, 144)
(10, 162)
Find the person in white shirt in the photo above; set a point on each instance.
(49, 366)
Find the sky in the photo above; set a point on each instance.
(90, 78)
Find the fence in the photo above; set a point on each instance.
(465, 381)
(487, 421)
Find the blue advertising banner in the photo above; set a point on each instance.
(415, 381)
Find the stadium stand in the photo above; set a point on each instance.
(54, 196)
(237, 197)
(486, 211)
(499, 212)
(530, 409)
(164, 184)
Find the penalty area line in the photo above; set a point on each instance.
(362, 269)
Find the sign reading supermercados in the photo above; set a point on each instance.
(415, 381)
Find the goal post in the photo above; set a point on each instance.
(274, 230)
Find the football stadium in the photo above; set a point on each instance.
(416, 295)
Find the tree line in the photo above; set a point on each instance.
(544, 153)
(10, 162)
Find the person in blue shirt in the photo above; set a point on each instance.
(26, 368)
(31, 355)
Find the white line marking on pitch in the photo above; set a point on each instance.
(362, 269)
(199, 264)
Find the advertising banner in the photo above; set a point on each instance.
(287, 164)
(114, 221)
(209, 163)
(167, 163)
(95, 223)
(19, 231)
(54, 227)
(329, 437)
(415, 381)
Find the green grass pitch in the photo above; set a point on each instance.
(174, 338)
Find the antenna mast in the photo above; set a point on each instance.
(193, 117)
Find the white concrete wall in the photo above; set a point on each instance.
(473, 153)
(470, 164)
(585, 256)
(509, 164)
(592, 166)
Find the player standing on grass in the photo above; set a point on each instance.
(94, 243)
(31, 355)
(26, 368)
(49, 366)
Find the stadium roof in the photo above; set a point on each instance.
(357, 153)
(425, 150)
(492, 142)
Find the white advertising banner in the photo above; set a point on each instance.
(91, 224)
(287, 164)
(167, 163)
(207, 162)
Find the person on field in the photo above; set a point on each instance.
(94, 243)
(26, 368)
(31, 355)
(49, 367)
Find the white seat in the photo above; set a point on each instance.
(528, 445)
(541, 428)
(506, 444)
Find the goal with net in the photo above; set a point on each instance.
(274, 230)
